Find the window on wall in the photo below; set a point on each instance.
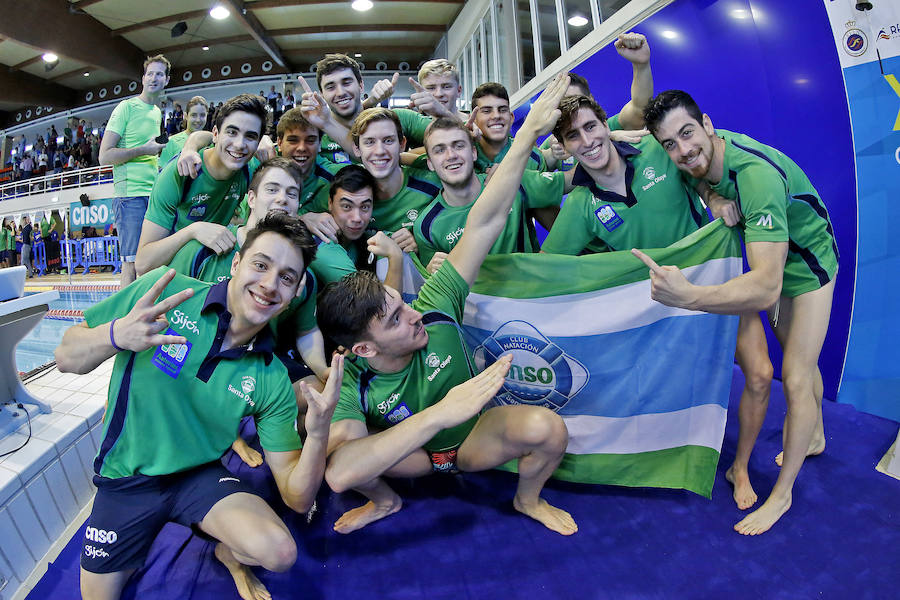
(578, 19)
(517, 39)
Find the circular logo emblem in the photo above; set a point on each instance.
(855, 42)
(432, 360)
(650, 173)
(248, 384)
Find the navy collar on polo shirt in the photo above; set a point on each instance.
(262, 343)
(582, 178)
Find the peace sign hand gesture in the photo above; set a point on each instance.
(140, 328)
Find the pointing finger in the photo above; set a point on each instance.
(305, 85)
(416, 85)
(647, 261)
(395, 79)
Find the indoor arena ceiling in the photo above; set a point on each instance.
(101, 44)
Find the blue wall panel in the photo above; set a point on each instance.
(769, 69)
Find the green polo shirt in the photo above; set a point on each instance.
(780, 204)
(178, 201)
(334, 260)
(536, 160)
(384, 399)
(136, 123)
(4, 238)
(660, 207)
(420, 187)
(314, 193)
(412, 123)
(10, 239)
(173, 148)
(197, 261)
(175, 407)
(440, 226)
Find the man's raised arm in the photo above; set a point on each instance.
(111, 155)
(633, 47)
(490, 212)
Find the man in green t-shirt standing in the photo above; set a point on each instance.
(793, 259)
(183, 209)
(192, 359)
(413, 378)
(129, 143)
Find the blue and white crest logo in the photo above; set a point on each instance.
(541, 373)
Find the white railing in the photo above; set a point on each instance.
(57, 181)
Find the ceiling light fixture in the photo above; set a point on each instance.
(49, 57)
(206, 47)
(86, 74)
(361, 5)
(357, 55)
(669, 34)
(219, 12)
(577, 20)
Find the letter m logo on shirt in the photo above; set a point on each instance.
(765, 221)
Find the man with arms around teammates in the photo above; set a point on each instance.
(129, 143)
(350, 208)
(401, 380)
(400, 192)
(183, 209)
(451, 155)
(197, 111)
(627, 196)
(793, 259)
(193, 359)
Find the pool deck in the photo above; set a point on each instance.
(45, 487)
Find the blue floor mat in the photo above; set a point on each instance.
(458, 537)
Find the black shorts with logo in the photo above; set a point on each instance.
(129, 512)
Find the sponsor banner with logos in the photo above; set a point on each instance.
(643, 387)
(98, 214)
(869, 47)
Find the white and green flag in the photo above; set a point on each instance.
(643, 387)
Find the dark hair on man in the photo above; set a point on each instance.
(371, 115)
(279, 162)
(287, 226)
(569, 107)
(666, 102)
(335, 62)
(351, 178)
(579, 81)
(294, 119)
(444, 124)
(160, 59)
(491, 88)
(346, 307)
(247, 103)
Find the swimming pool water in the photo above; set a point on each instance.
(36, 349)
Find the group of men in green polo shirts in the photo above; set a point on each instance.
(286, 247)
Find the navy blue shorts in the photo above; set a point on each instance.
(129, 512)
(4, 254)
(296, 368)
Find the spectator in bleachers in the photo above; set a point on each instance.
(27, 167)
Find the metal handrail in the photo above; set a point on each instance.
(57, 181)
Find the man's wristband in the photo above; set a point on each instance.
(112, 340)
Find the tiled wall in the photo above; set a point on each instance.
(44, 485)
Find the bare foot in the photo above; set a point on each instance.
(762, 519)
(247, 454)
(551, 517)
(248, 586)
(816, 447)
(367, 513)
(744, 496)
